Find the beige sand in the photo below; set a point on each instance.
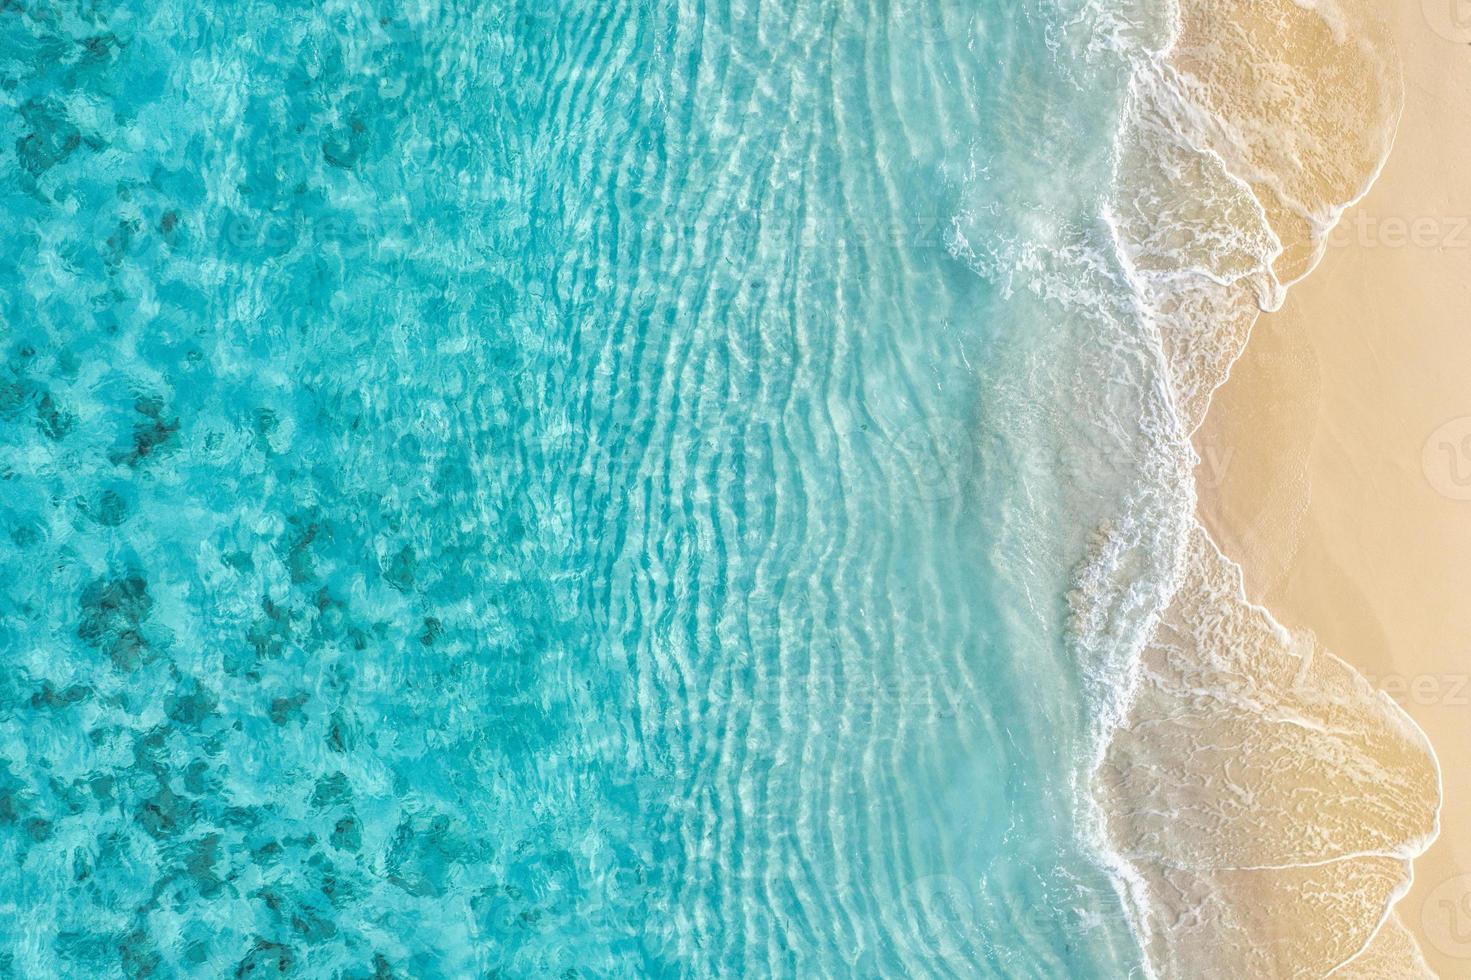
(1265, 798)
(1335, 469)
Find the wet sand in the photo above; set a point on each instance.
(1336, 461)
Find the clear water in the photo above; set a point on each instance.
(508, 489)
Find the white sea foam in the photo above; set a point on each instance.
(1227, 182)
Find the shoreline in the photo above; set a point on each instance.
(1327, 478)
(1267, 799)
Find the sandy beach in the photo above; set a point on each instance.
(1336, 461)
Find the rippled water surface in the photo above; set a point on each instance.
(581, 489)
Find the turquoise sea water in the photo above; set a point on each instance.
(581, 489)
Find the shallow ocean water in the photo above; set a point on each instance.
(509, 490)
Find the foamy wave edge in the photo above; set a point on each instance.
(1152, 66)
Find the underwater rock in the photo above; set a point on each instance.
(114, 610)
